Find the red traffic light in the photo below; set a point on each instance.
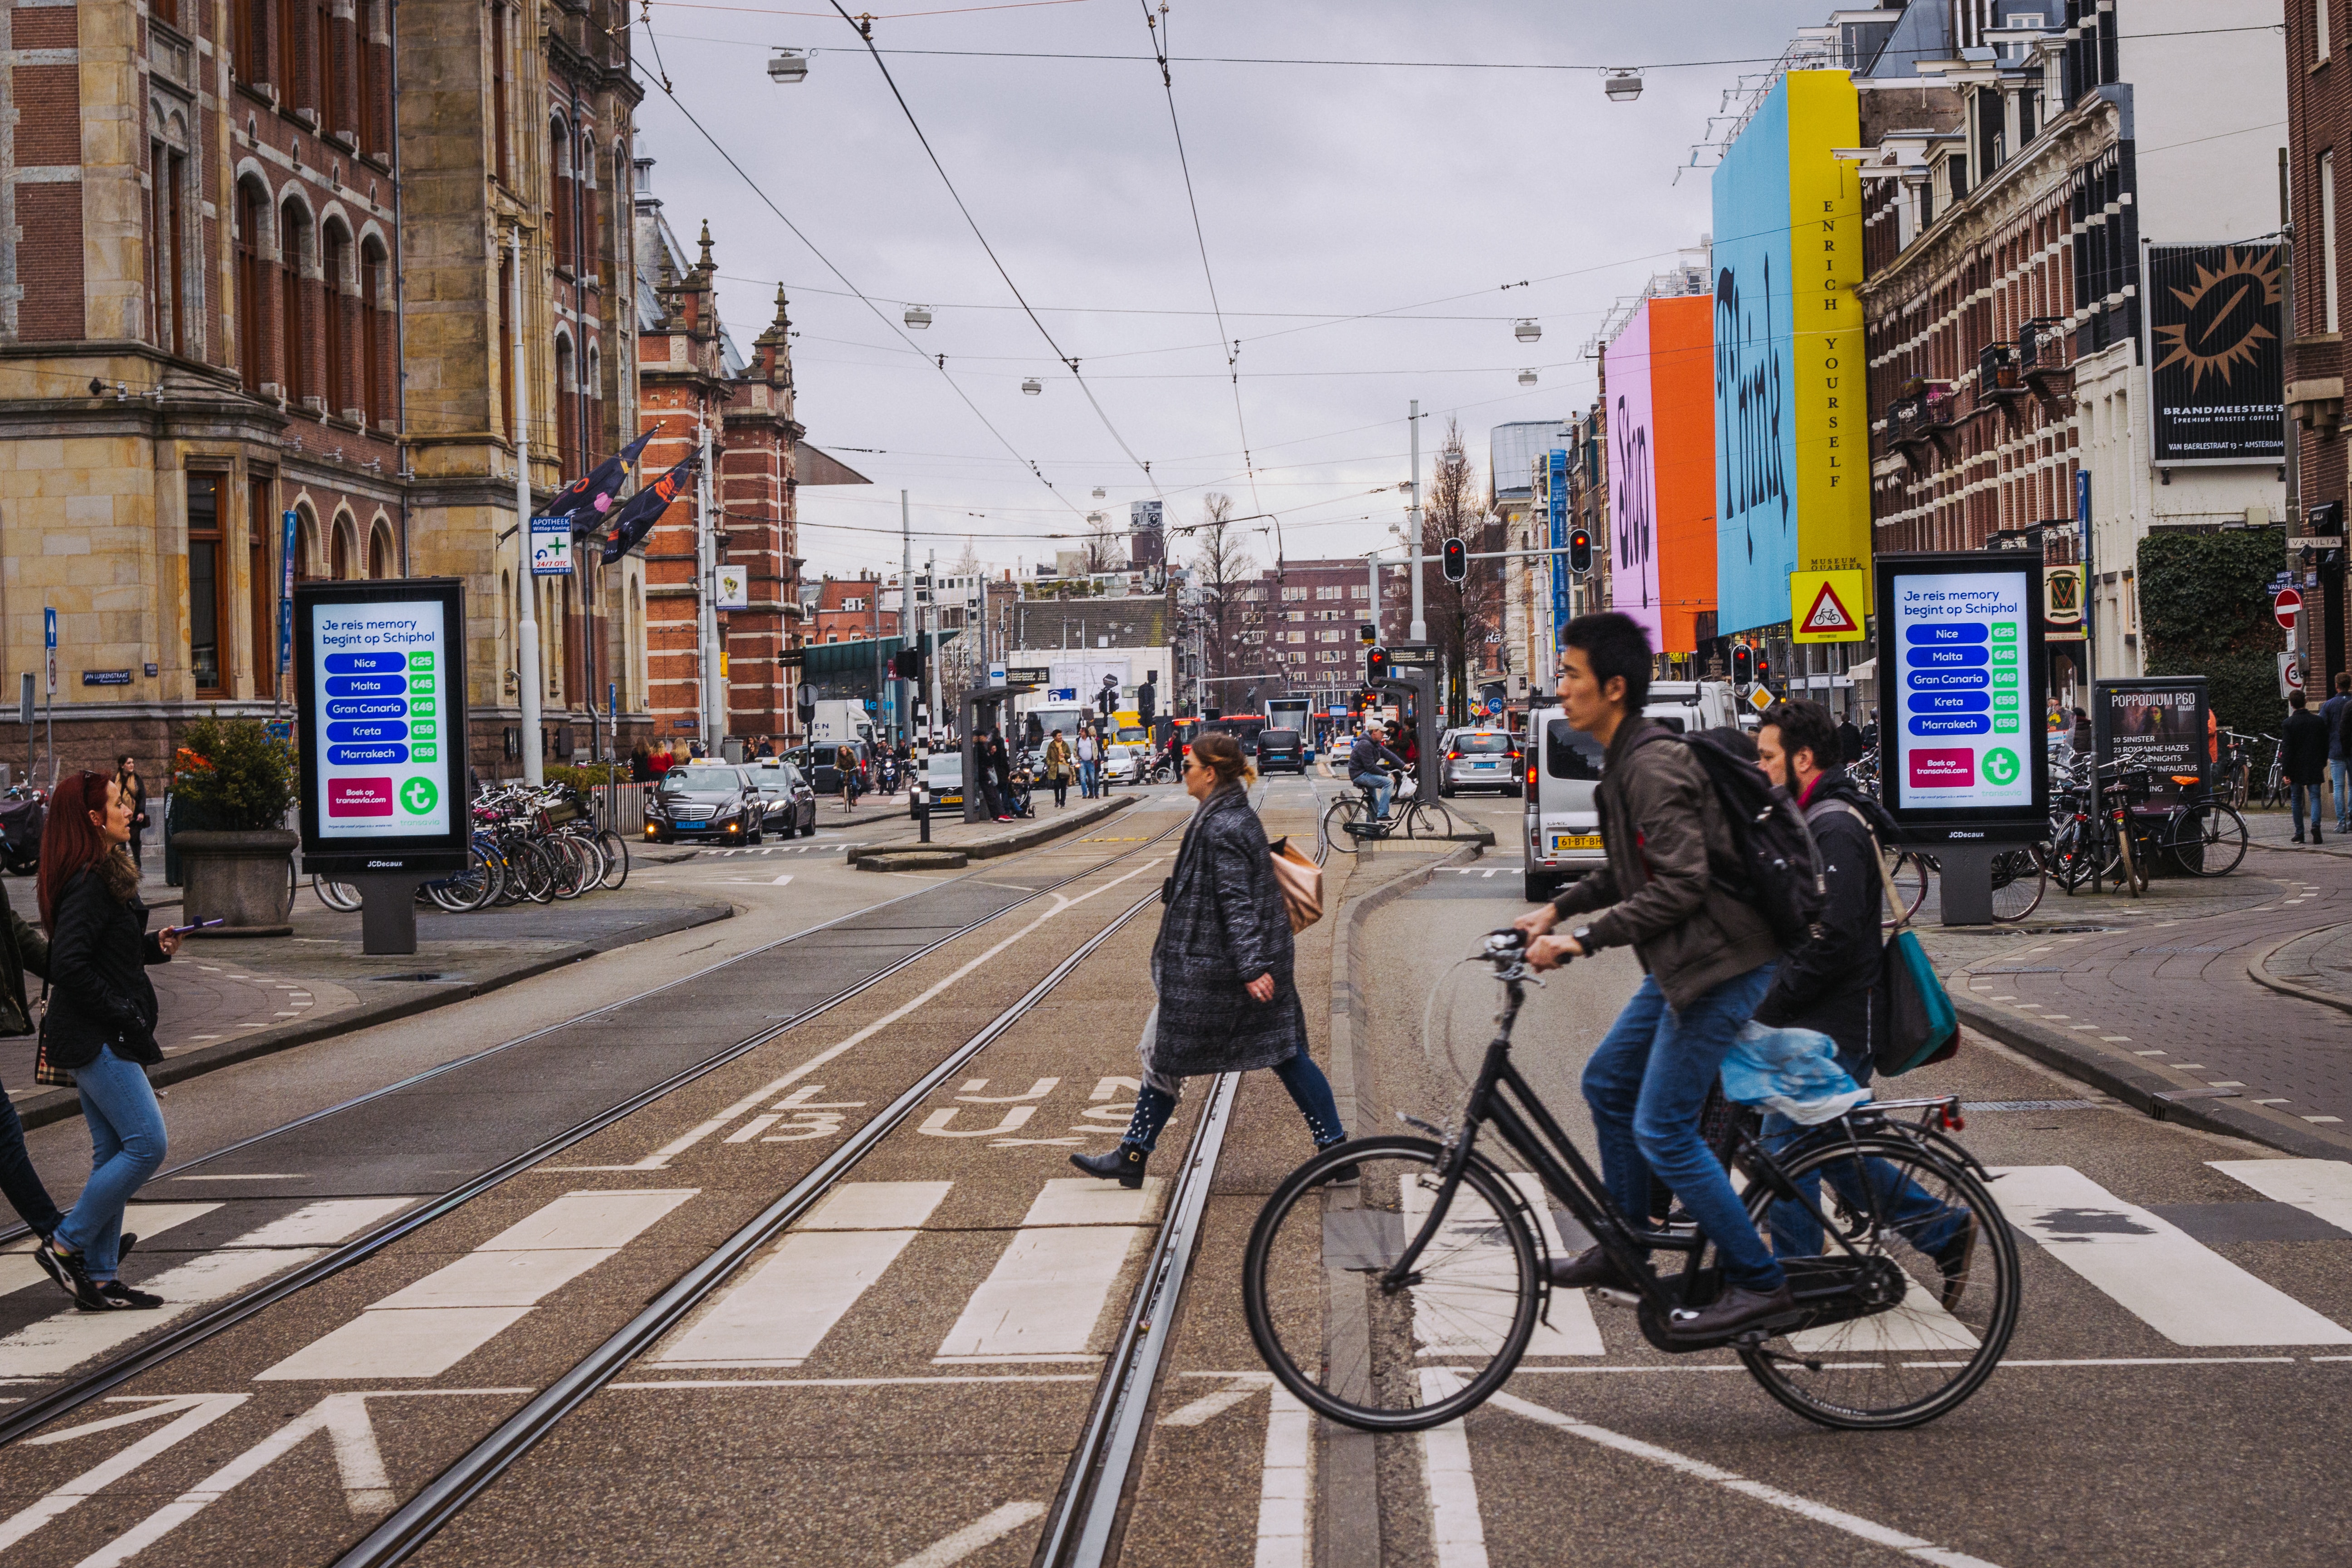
(1456, 558)
(1579, 550)
(1743, 663)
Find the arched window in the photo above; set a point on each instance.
(381, 562)
(559, 151)
(343, 566)
(335, 306)
(252, 283)
(167, 237)
(375, 333)
(293, 253)
(567, 399)
(306, 562)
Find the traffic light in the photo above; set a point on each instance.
(1580, 551)
(1376, 664)
(1364, 634)
(1743, 663)
(906, 664)
(1763, 668)
(1457, 561)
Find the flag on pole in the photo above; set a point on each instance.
(635, 518)
(588, 500)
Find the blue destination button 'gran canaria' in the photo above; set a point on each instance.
(381, 708)
(1946, 657)
(1945, 633)
(1921, 702)
(1951, 724)
(1944, 679)
(366, 664)
(366, 684)
(379, 756)
(376, 731)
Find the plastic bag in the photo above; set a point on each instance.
(1792, 1072)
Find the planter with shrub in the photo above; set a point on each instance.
(233, 785)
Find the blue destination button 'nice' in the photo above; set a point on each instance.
(1946, 658)
(378, 732)
(1921, 702)
(367, 663)
(382, 756)
(1946, 633)
(379, 708)
(366, 684)
(1951, 724)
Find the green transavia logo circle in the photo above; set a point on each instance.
(419, 796)
(2000, 766)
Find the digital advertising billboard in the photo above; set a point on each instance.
(1633, 479)
(380, 688)
(1962, 748)
(1791, 460)
(2157, 723)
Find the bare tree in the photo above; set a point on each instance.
(1224, 570)
(1460, 616)
(1106, 544)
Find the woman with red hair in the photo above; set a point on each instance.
(101, 1024)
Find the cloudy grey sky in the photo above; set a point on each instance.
(1327, 195)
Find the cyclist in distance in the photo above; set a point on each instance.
(1708, 958)
(1366, 768)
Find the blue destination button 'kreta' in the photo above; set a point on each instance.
(380, 731)
(366, 684)
(1921, 702)
(1945, 633)
(366, 664)
(1946, 657)
(1951, 724)
(381, 756)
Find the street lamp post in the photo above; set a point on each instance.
(526, 619)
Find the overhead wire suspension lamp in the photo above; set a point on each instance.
(918, 317)
(1528, 330)
(1622, 85)
(1032, 385)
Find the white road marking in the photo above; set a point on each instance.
(662, 1156)
(1089, 1200)
(1286, 1485)
(2178, 1286)
(58, 1343)
(782, 881)
(784, 1309)
(984, 1531)
(1456, 1532)
(1043, 1298)
(1038, 1090)
(937, 1124)
(323, 1223)
(18, 1271)
(201, 1411)
(1805, 1508)
(2321, 1187)
(1469, 1311)
(430, 1326)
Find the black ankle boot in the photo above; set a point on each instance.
(1123, 1164)
(1341, 1176)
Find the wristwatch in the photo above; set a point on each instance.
(1583, 936)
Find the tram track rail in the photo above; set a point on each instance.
(173, 1341)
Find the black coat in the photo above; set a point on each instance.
(1225, 925)
(98, 952)
(22, 947)
(1828, 982)
(2306, 747)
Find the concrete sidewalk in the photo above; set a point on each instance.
(954, 844)
(229, 1000)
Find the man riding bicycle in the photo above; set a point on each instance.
(1366, 766)
(1708, 958)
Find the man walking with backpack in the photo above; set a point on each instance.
(1708, 955)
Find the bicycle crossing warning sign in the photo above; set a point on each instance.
(1826, 606)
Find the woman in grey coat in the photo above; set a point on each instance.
(1222, 968)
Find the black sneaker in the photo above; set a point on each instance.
(49, 1266)
(125, 1299)
(1954, 1259)
(86, 1293)
(1738, 1308)
(1588, 1269)
(1340, 1175)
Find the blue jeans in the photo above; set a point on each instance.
(1086, 780)
(1646, 1082)
(2294, 796)
(1381, 784)
(126, 1147)
(2337, 768)
(1309, 1090)
(1892, 1197)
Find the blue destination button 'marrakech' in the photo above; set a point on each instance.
(1946, 633)
(367, 663)
(366, 684)
(379, 756)
(1951, 724)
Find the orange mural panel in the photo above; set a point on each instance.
(1682, 400)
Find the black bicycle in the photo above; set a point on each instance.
(1433, 1275)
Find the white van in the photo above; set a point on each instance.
(1692, 705)
(1562, 837)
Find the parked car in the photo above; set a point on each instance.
(1281, 749)
(706, 800)
(1124, 764)
(1561, 765)
(1478, 758)
(791, 803)
(943, 778)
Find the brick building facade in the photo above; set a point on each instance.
(2319, 122)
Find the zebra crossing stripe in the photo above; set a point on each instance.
(1042, 1301)
(19, 1272)
(2319, 1187)
(2155, 1270)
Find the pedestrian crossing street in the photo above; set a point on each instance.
(1048, 1298)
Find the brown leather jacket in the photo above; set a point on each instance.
(1661, 828)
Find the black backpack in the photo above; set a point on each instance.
(1778, 871)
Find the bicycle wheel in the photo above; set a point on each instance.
(532, 870)
(467, 891)
(2208, 840)
(1909, 874)
(616, 859)
(1382, 1359)
(335, 895)
(1427, 819)
(2017, 884)
(577, 867)
(1343, 811)
(1932, 1243)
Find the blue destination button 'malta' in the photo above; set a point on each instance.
(378, 708)
(1921, 702)
(1929, 658)
(380, 730)
(366, 684)
(367, 663)
(381, 756)
(1946, 633)
(1951, 724)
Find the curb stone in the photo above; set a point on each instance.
(2258, 971)
(1007, 843)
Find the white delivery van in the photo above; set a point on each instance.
(1562, 836)
(1692, 705)
(839, 719)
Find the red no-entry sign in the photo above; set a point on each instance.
(2286, 606)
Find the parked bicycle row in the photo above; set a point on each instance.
(540, 845)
